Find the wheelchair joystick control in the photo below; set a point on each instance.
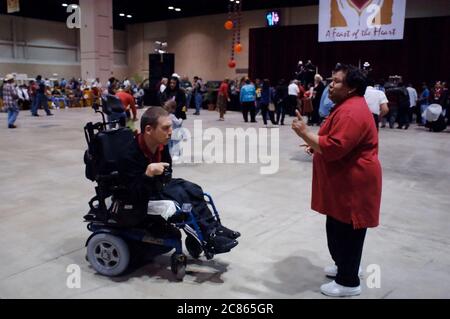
(186, 208)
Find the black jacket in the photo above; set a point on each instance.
(180, 99)
(140, 187)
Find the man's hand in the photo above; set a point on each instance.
(298, 125)
(154, 169)
(308, 149)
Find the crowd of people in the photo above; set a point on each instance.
(390, 101)
(47, 94)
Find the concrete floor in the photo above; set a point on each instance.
(282, 251)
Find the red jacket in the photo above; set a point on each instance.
(223, 90)
(347, 175)
(127, 101)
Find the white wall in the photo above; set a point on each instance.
(202, 46)
(33, 46)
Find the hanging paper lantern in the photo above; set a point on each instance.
(231, 64)
(238, 48)
(228, 25)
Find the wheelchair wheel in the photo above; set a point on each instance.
(193, 247)
(108, 254)
(178, 265)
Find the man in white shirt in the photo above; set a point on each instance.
(377, 102)
(293, 92)
(412, 101)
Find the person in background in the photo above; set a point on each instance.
(423, 103)
(319, 87)
(412, 93)
(24, 99)
(377, 102)
(41, 98)
(173, 91)
(177, 136)
(258, 86)
(128, 103)
(281, 100)
(248, 100)
(293, 93)
(223, 98)
(266, 102)
(198, 96)
(10, 99)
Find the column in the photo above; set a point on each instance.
(96, 40)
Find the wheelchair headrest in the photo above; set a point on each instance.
(113, 143)
(105, 151)
(112, 104)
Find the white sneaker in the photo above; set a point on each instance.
(331, 271)
(333, 289)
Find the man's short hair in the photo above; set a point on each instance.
(151, 117)
(354, 78)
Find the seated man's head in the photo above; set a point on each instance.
(156, 126)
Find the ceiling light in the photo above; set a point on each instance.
(177, 9)
(129, 16)
(171, 8)
(122, 14)
(65, 5)
(237, 1)
(74, 6)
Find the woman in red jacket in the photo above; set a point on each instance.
(346, 177)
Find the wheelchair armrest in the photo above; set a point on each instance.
(114, 176)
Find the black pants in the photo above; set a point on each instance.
(345, 245)
(403, 117)
(246, 107)
(292, 105)
(281, 112)
(376, 119)
(265, 111)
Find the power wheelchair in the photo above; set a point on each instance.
(116, 227)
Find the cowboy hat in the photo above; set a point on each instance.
(9, 77)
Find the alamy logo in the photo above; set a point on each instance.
(74, 19)
(74, 279)
(374, 279)
(234, 146)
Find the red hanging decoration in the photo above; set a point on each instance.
(234, 15)
(228, 25)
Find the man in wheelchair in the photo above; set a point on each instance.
(143, 176)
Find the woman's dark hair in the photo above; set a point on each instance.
(266, 84)
(354, 78)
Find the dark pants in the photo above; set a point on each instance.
(393, 113)
(40, 100)
(376, 119)
(403, 117)
(265, 111)
(292, 105)
(246, 107)
(281, 111)
(345, 245)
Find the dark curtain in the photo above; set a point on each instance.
(422, 55)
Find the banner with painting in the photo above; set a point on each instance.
(361, 20)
